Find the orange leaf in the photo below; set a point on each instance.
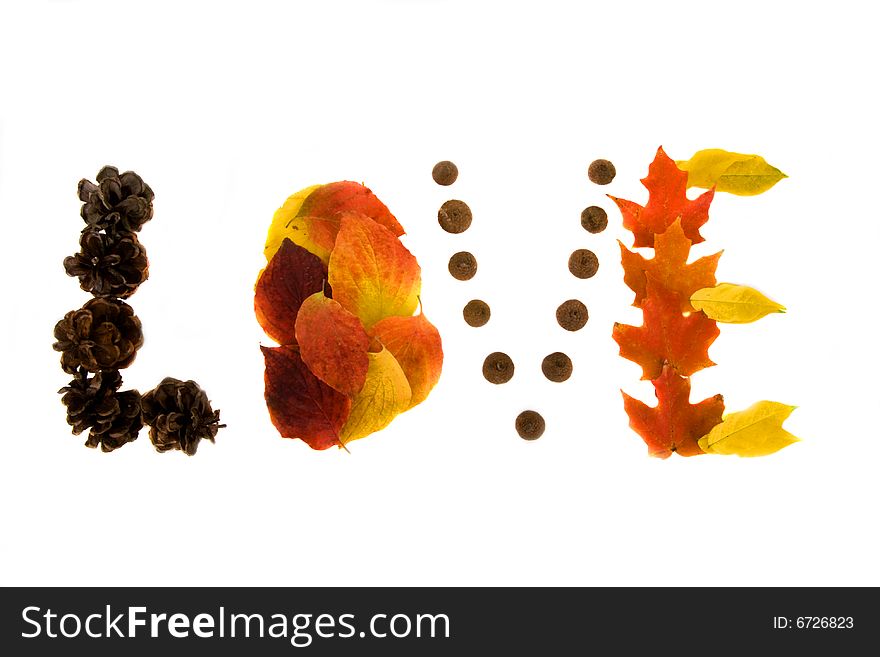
(292, 275)
(300, 404)
(667, 336)
(674, 425)
(669, 267)
(416, 345)
(311, 217)
(333, 344)
(371, 272)
(667, 201)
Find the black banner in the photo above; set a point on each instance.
(436, 621)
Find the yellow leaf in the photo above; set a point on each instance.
(756, 431)
(735, 173)
(386, 394)
(372, 274)
(734, 304)
(285, 223)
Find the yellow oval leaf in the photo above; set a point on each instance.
(372, 274)
(734, 173)
(386, 394)
(734, 304)
(756, 431)
(285, 223)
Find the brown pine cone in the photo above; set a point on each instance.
(94, 403)
(104, 334)
(111, 265)
(117, 426)
(179, 415)
(120, 202)
(88, 399)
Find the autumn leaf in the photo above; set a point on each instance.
(311, 217)
(291, 276)
(300, 404)
(735, 173)
(669, 267)
(333, 344)
(386, 394)
(371, 272)
(674, 424)
(282, 226)
(734, 304)
(667, 201)
(666, 336)
(415, 344)
(756, 431)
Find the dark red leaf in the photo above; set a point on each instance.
(300, 404)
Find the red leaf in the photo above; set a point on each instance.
(291, 276)
(667, 201)
(667, 335)
(674, 425)
(323, 207)
(300, 404)
(669, 267)
(333, 344)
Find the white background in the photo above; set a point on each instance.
(226, 108)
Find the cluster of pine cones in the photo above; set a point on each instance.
(104, 335)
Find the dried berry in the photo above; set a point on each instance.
(557, 367)
(477, 313)
(601, 172)
(498, 368)
(179, 415)
(444, 173)
(93, 403)
(583, 263)
(454, 216)
(463, 266)
(530, 425)
(594, 219)
(572, 315)
(104, 334)
(119, 202)
(111, 265)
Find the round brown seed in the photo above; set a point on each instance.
(583, 263)
(477, 312)
(594, 219)
(454, 216)
(601, 172)
(444, 173)
(498, 368)
(557, 367)
(463, 266)
(530, 425)
(572, 315)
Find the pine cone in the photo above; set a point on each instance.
(111, 265)
(94, 403)
(179, 415)
(119, 202)
(120, 425)
(104, 334)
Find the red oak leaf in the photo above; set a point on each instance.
(667, 336)
(674, 425)
(300, 404)
(669, 267)
(667, 201)
(291, 276)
